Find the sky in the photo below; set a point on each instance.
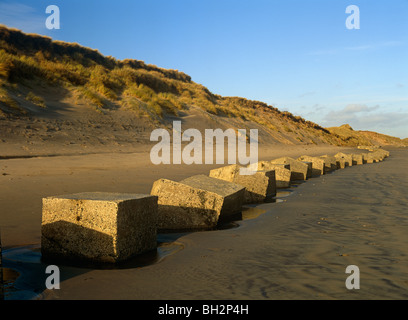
(296, 55)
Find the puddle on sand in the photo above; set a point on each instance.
(249, 213)
(297, 183)
(229, 224)
(32, 254)
(283, 193)
(9, 276)
(252, 212)
(26, 261)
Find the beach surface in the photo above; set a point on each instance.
(296, 248)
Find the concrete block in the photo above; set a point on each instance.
(309, 168)
(341, 163)
(196, 203)
(380, 154)
(375, 156)
(330, 163)
(385, 153)
(298, 169)
(357, 158)
(258, 186)
(348, 158)
(317, 164)
(370, 148)
(282, 172)
(368, 158)
(98, 226)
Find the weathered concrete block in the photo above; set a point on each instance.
(98, 226)
(232, 192)
(341, 163)
(196, 203)
(364, 147)
(330, 163)
(282, 172)
(368, 158)
(372, 157)
(385, 153)
(268, 165)
(357, 158)
(298, 169)
(370, 148)
(380, 154)
(258, 187)
(317, 164)
(348, 158)
(377, 158)
(309, 168)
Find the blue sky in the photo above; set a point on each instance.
(293, 54)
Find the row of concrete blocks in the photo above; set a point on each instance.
(111, 227)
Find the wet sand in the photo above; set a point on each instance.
(298, 248)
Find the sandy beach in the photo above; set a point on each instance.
(113, 117)
(296, 248)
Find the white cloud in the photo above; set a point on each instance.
(324, 52)
(306, 94)
(349, 113)
(362, 47)
(23, 17)
(353, 108)
(362, 117)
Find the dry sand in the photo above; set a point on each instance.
(297, 249)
